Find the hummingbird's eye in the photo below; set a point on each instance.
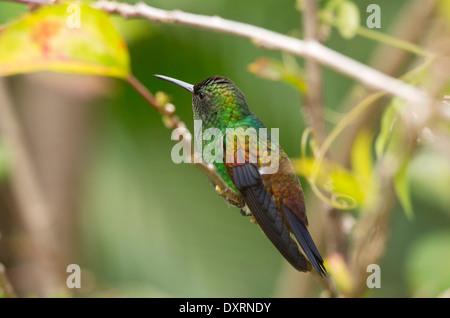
(201, 95)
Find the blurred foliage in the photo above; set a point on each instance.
(4, 161)
(338, 269)
(444, 9)
(393, 151)
(149, 227)
(274, 70)
(345, 15)
(433, 249)
(52, 38)
(348, 189)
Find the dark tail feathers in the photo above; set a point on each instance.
(306, 242)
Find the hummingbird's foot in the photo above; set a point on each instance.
(228, 200)
(253, 220)
(245, 211)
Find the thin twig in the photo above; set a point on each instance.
(275, 41)
(314, 104)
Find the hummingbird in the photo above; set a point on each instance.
(273, 199)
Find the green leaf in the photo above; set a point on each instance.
(64, 38)
(347, 19)
(391, 146)
(4, 162)
(382, 139)
(337, 181)
(401, 185)
(362, 166)
(429, 174)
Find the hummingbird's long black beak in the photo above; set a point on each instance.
(186, 86)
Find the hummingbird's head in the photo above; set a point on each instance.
(216, 97)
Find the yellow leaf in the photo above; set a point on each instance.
(334, 179)
(362, 166)
(64, 38)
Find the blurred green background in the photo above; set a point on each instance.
(149, 227)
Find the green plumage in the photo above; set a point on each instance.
(273, 197)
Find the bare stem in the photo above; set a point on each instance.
(313, 99)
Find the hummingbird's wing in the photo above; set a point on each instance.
(285, 186)
(248, 181)
(275, 198)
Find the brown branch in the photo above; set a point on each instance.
(313, 99)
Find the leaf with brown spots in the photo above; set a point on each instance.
(64, 38)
